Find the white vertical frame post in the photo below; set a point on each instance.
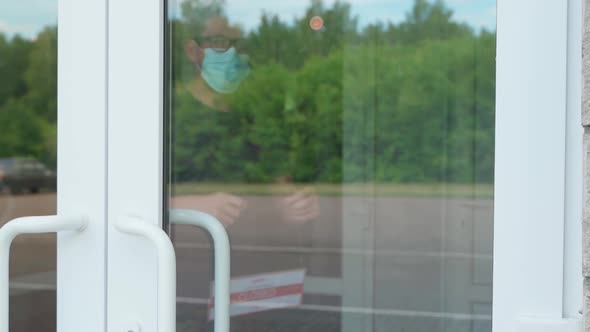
(135, 158)
(82, 93)
(531, 213)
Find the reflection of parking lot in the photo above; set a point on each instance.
(32, 266)
(415, 264)
(30, 253)
(26, 205)
(428, 261)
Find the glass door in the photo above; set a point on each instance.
(346, 150)
(224, 165)
(52, 165)
(28, 157)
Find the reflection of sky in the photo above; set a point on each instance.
(477, 13)
(27, 17)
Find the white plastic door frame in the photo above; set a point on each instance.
(82, 95)
(537, 224)
(135, 158)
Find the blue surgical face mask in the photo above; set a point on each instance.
(224, 71)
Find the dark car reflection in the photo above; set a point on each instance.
(20, 175)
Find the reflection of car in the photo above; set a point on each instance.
(18, 175)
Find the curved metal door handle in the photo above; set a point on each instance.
(222, 260)
(166, 267)
(27, 225)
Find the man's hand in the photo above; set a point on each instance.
(300, 207)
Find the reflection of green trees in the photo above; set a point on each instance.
(407, 102)
(28, 96)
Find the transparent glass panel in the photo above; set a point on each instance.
(28, 153)
(348, 148)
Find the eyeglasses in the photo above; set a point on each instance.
(218, 43)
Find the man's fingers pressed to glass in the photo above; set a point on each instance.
(300, 207)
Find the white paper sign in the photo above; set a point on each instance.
(262, 292)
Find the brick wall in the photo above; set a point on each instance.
(586, 124)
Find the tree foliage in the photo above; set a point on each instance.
(28, 97)
(406, 102)
(390, 102)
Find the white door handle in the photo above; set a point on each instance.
(222, 260)
(27, 225)
(166, 267)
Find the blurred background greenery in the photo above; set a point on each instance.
(411, 102)
(28, 97)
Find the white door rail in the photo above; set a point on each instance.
(222, 260)
(166, 267)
